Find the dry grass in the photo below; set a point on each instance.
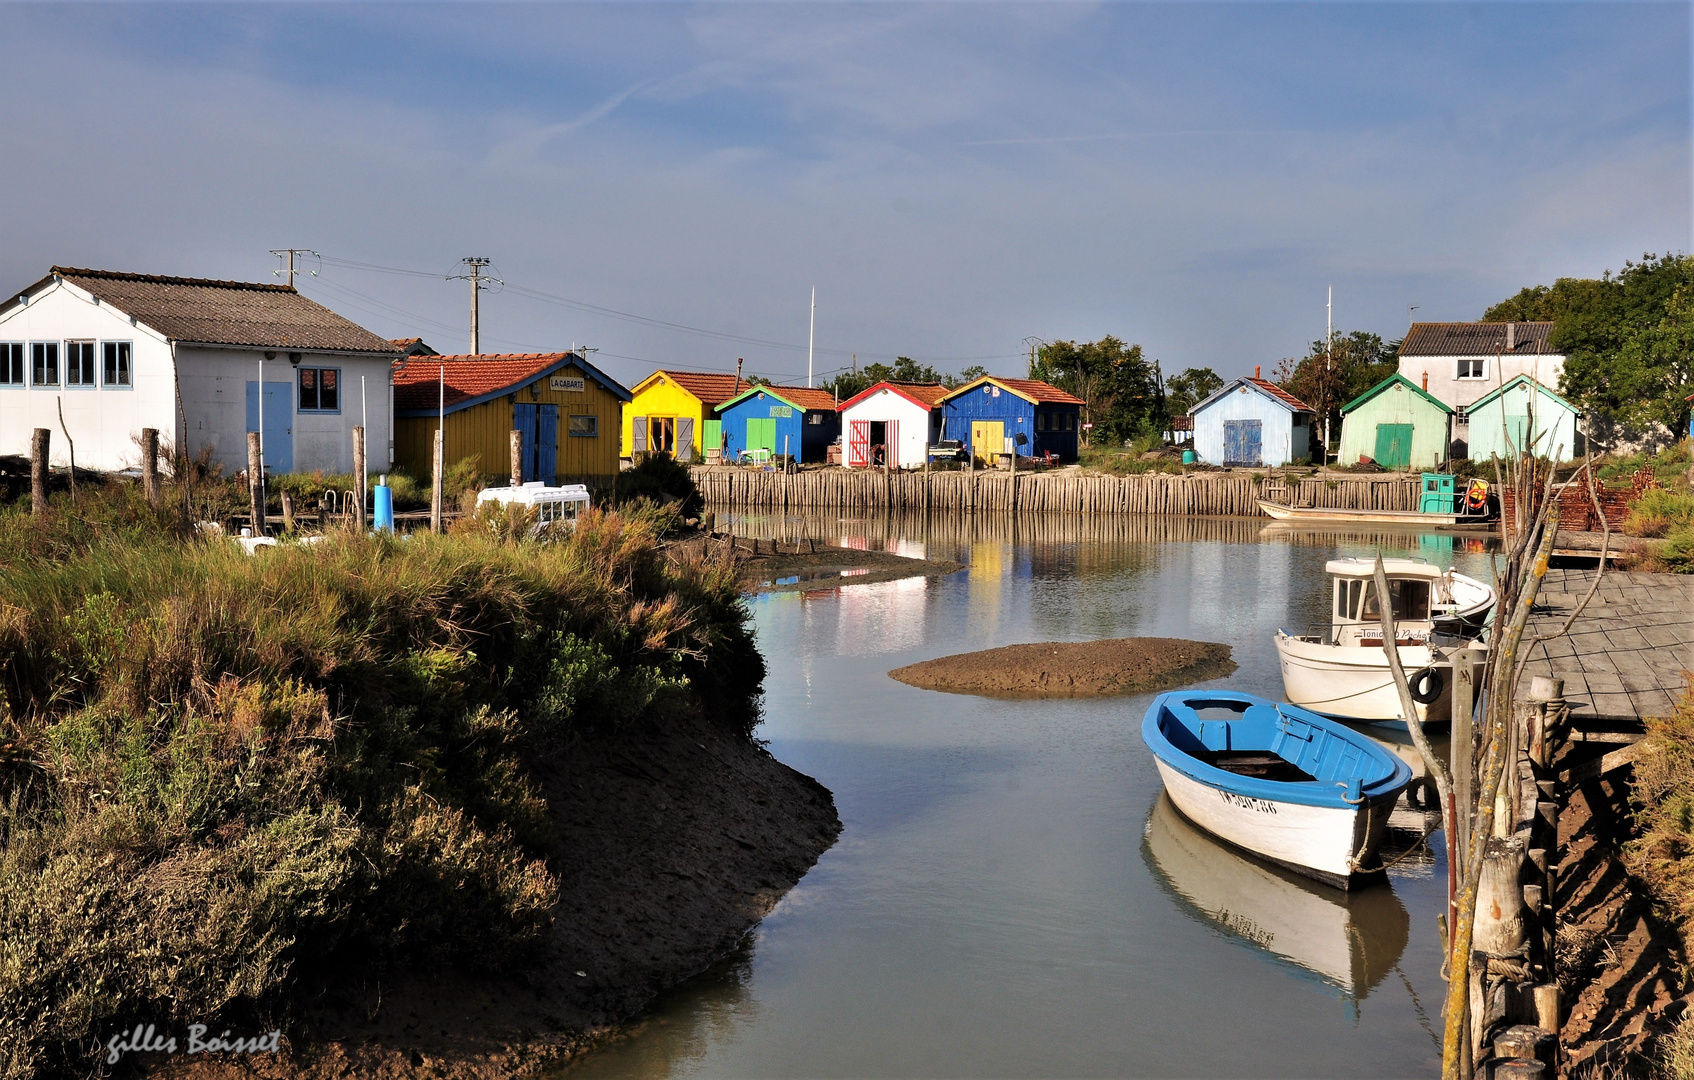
(220, 775)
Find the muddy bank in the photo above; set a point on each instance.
(805, 565)
(672, 845)
(1072, 669)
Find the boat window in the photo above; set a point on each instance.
(1411, 600)
(1347, 598)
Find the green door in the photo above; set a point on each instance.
(761, 434)
(1394, 446)
(1517, 435)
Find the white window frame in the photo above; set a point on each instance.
(22, 380)
(76, 345)
(1461, 416)
(58, 363)
(1464, 362)
(126, 355)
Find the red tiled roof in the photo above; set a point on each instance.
(468, 377)
(208, 312)
(1043, 392)
(808, 397)
(710, 387)
(1477, 339)
(1281, 395)
(923, 395)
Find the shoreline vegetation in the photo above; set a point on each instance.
(346, 781)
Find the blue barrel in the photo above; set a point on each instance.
(1188, 457)
(382, 503)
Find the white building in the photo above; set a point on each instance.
(892, 421)
(1466, 361)
(117, 353)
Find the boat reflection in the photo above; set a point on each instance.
(1348, 941)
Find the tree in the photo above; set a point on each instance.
(904, 369)
(1123, 394)
(1624, 339)
(1328, 377)
(1184, 391)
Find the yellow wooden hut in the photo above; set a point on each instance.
(675, 412)
(565, 407)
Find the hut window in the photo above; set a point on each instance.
(116, 355)
(44, 357)
(1070, 422)
(814, 418)
(584, 427)
(79, 363)
(11, 363)
(1472, 367)
(320, 389)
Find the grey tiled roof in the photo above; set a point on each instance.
(226, 312)
(1477, 339)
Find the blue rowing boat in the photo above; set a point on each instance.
(1277, 780)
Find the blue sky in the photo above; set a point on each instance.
(953, 178)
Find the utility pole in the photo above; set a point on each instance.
(1328, 346)
(479, 281)
(288, 255)
(739, 360)
(1032, 343)
(811, 337)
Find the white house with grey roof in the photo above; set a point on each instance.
(1465, 362)
(116, 353)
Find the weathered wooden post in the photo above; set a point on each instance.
(359, 473)
(435, 484)
(517, 458)
(150, 466)
(39, 443)
(287, 512)
(255, 483)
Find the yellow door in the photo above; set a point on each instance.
(988, 441)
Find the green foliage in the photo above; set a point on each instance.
(662, 480)
(1194, 385)
(1122, 390)
(1658, 511)
(1628, 342)
(224, 777)
(904, 369)
(1330, 375)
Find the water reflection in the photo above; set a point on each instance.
(1349, 940)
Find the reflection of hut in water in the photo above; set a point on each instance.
(1347, 940)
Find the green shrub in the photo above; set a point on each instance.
(659, 479)
(223, 778)
(1658, 512)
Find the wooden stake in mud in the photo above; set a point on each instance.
(287, 512)
(517, 458)
(150, 465)
(358, 475)
(435, 486)
(255, 484)
(38, 446)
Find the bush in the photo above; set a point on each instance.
(1658, 512)
(1663, 853)
(661, 480)
(225, 777)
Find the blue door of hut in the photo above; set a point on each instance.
(1243, 442)
(278, 425)
(538, 426)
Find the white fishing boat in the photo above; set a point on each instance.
(1279, 781)
(1342, 669)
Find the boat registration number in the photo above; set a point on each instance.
(1247, 802)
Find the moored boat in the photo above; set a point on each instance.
(1342, 669)
(1276, 780)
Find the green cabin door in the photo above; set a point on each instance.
(1517, 435)
(1394, 446)
(761, 434)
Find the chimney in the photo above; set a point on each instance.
(1426, 382)
(1255, 371)
(738, 362)
(1511, 336)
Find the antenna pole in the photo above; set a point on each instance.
(811, 336)
(288, 254)
(1328, 355)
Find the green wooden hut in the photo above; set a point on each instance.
(1500, 422)
(1397, 425)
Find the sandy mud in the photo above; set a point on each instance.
(1073, 669)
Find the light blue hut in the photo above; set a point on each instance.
(1500, 423)
(1252, 422)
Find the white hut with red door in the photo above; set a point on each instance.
(894, 422)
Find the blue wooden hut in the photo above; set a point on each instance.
(1036, 417)
(1252, 422)
(768, 421)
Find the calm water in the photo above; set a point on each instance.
(1011, 895)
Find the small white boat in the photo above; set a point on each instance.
(1279, 781)
(1342, 669)
(562, 504)
(1350, 941)
(1331, 515)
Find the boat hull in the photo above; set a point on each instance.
(1320, 514)
(1355, 682)
(1328, 844)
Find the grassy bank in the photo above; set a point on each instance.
(224, 779)
(1665, 512)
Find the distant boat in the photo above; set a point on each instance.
(1279, 781)
(1328, 514)
(1342, 669)
(1349, 941)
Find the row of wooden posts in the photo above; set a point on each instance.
(1211, 494)
(40, 444)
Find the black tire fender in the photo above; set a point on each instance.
(1427, 685)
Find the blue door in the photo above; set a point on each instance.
(279, 423)
(538, 426)
(1243, 442)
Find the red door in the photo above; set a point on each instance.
(858, 443)
(893, 437)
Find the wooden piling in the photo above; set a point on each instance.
(436, 478)
(150, 466)
(39, 444)
(517, 458)
(287, 512)
(255, 483)
(359, 474)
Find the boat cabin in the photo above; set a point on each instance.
(551, 504)
(1414, 588)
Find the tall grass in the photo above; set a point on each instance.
(220, 775)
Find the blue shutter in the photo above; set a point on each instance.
(547, 444)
